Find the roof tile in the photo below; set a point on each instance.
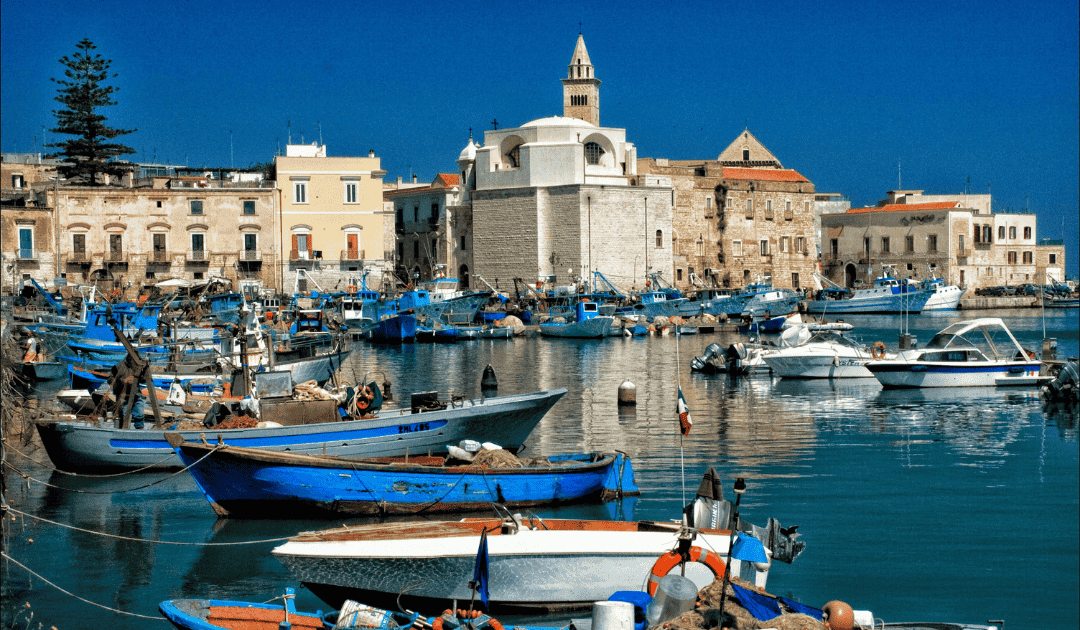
(763, 174)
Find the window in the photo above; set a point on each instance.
(909, 243)
(198, 242)
(401, 252)
(1012, 258)
(749, 208)
(800, 244)
(866, 246)
(988, 234)
(764, 247)
(1001, 232)
(1012, 232)
(515, 156)
(885, 244)
(416, 250)
(931, 243)
(26, 243)
(434, 212)
(249, 207)
(78, 243)
(416, 214)
(659, 239)
(746, 155)
(736, 248)
(768, 210)
(350, 192)
(116, 243)
(1027, 258)
(794, 280)
(1027, 232)
(700, 246)
(960, 245)
(787, 211)
(784, 243)
(834, 247)
(159, 203)
(806, 207)
(301, 246)
(300, 192)
(708, 203)
(462, 241)
(17, 181)
(196, 206)
(678, 274)
(1053, 259)
(399, 220)
(435, 249)
(593, 153)
(159, 252)
(251, 242)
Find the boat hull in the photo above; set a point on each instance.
(912, 303)
(254, 483)
(396, 329)
(915, 374)
(505, 420)
(538, 569)
(594, 328)
(818, 366)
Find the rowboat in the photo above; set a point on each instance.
(253, 482)
(533, 563)
(215, 614)
(308, 427)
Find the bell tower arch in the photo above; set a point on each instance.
(581, 88)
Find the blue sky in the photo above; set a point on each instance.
(961, 95)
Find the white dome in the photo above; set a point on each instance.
(469, 152)
(558, 121)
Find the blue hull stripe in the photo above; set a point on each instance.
(293, 440)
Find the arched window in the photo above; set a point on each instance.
(659, 239)
(463, 276)
(593, 153)
(515, 156)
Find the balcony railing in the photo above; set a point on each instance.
(352, 254)
(250, 255)
(198, 256)
(78, 257)
(26, 254)
(159, 256)
(115, 257)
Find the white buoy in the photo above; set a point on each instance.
(613, 616)
(627, 393)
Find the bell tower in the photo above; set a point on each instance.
(581, 88)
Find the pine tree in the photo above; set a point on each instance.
(87, 155)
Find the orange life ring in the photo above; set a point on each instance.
(351, 288)
(878, 350)
(671, 559)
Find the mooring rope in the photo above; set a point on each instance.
(8, 508)
(119, 474)
(70, 594)
(153, 483)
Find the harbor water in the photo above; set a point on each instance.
(934, 505)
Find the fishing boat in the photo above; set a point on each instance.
(973, 353)
(888, 295)
(398, 328)
(258, 483)
(315, 427)
(588, 323)
(943, 297)
(218, 614)
(533, 563)
(822, 352)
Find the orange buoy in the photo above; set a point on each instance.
(838, 615)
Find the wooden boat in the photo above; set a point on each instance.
(216, 614)
(309, 427)
(973, 353)
(258, 483)
(533, 563)
(588, 324)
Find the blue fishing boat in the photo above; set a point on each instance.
(259, 483)
(888, 295)
(218, 614)
(399, 328)
(587, 323)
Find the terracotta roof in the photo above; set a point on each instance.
(450, 179)
(763, 174)
(898, 207)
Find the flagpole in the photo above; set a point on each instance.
(678, 380)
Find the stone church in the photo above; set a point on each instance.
(561, 196)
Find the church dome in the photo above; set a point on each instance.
(558, 121)
(469, 152)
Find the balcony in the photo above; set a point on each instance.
(115, 258)
(27, 254)
(78, 258)
(197, 256)
(250, 255)
(352, 254)
(159, 257)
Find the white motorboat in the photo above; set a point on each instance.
(533, 563)
(943, 297)
(813, 352)
(973, 353)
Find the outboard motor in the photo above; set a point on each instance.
(707, 361)
(736, 358)
(1066, 385)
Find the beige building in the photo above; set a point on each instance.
(427, 241)
(332, 218)
(27, 222)
(955, 237)
(739, 218)
(189, 228)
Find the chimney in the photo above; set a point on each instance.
(414, 178)
(371, 153)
